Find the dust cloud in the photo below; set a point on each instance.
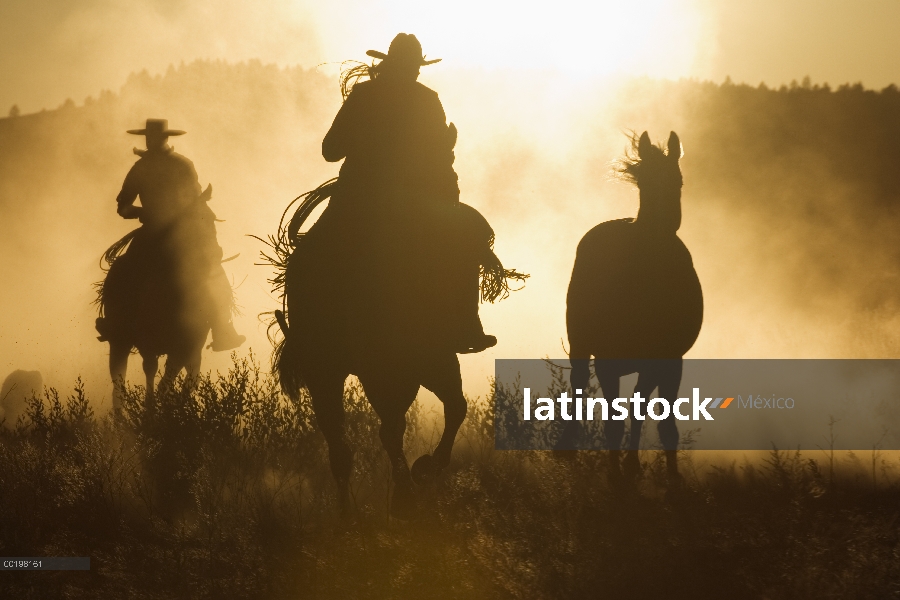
(789, 198)
(789, 202)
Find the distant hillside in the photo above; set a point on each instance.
(791, 200)
(740, 132)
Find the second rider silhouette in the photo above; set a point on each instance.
(176, 224)
(397, 206)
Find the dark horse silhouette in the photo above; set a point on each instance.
(382, 342)
(635, 302)
(385, 285)
(148, 302)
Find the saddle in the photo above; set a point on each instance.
(152, 277)
(388, 281)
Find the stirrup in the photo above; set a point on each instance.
(485, 342)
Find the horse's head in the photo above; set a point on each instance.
(658, 177)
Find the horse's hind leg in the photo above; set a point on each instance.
(327, 393)
(118, 366)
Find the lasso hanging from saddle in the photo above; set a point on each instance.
(493, 279)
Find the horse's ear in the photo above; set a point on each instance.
(674, 146)
(644, 145)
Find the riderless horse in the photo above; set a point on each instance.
(635, 303)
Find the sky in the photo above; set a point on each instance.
(52, 50)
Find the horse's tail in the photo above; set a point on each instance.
(286, 361)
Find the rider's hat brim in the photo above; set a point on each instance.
(166, 132)
(383, 56)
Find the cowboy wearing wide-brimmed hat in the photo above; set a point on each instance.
(405, 50)
(166, 181)
(398, 183)
(156, 128)
(176, 219)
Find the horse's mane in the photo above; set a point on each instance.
(633, 168)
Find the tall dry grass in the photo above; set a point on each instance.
(225, 492)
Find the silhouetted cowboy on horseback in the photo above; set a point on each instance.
(396, 209)
(178, 234)
(385, 285)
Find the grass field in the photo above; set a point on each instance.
(226, 493)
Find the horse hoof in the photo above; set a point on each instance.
(565, 456)
(631, 467)
(422, 471)
(344, 506)
(614, 478)
(403, 504)
(674, 486)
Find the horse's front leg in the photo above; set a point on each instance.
(174, 365)
(118, 367)
(648, 380)
(391, 396)
(580, 359)
(443, 378)
(192, 367)
(151, 366)
(393, 428)
(188, 360)
(608, 376)
(670, 381)
(327, 393)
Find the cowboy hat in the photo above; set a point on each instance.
(404, 48)
(157, 127)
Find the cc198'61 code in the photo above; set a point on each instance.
(22, 564)
(45, 563)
